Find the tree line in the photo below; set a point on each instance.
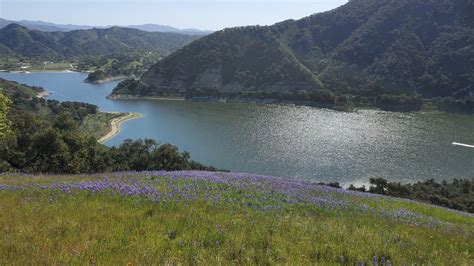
(457, 194)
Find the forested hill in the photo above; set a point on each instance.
(16, 40)
(364, 48)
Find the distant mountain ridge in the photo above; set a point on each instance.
(51, 27)
(363, 48)
(162, 28)
(17, 40)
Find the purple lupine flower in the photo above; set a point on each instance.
(253, 191)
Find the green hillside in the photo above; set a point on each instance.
(118, 65)
(219, 218)
(18, 90)
(16, 40)
(234, 60)
(359, 52)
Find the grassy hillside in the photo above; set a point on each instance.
(202, 217)
(18, 90)
(97, 125)
(121, 65)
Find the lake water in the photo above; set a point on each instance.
(287, 141)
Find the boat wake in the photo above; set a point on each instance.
(463, 145)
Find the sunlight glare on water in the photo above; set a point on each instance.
(289, 141)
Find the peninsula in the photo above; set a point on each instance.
(116, 123)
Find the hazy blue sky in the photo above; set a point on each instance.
(202, 14)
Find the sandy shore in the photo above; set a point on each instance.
(116, 123)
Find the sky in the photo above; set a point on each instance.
(200, 14)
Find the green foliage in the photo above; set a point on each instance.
(16, 90)
(18, 41)
(24, 99)
(5, 103)
(118, 65)
(98, 125)
(65, 122)
(147, 154)
(233, 60)
(456, 195)
(96, 76)
(139, 88)
(59, 66)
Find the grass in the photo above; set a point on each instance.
(14, 86)
(215, 218)
(116, 123)
(98, 125)
(51, 67)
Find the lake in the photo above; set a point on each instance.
(288, 141)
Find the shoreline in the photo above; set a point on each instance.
(42, 71)
(426, 108)
(249, 101)
(43, 94)
(107, 80)
(61, 71)
(115, 125)
(129, 97)
(70, 70)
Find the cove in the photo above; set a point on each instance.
(287, 141)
